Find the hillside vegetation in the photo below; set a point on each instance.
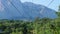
(38, 26)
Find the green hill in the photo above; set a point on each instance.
(38, 26)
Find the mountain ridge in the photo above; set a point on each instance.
(18, 10)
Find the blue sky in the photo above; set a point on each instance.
(54, 5)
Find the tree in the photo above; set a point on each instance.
(24, 28)
(59, 8)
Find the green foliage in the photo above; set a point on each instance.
(38, 26)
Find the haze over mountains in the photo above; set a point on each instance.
(15, 9)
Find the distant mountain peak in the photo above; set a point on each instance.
(15, 9)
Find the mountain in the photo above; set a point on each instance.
(15, 9)
(41, 11)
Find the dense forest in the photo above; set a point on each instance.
(38, 26)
